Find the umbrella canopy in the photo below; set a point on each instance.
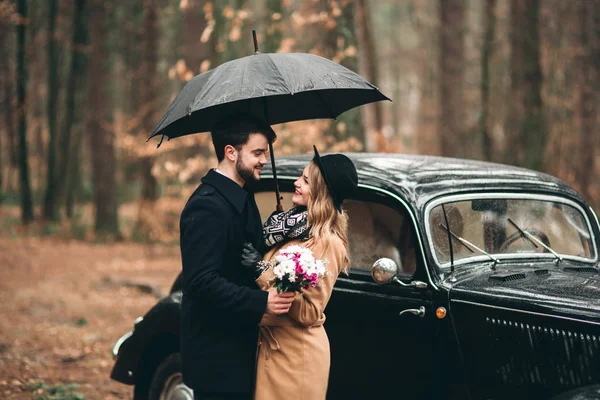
(278, 87)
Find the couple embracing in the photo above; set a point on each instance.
(240, 338)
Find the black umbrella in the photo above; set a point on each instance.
(276, 87)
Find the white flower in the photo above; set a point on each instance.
(288, 266)
(278, 272)
(307, 260)
(292, 249)
(321, 267)
(282, 257)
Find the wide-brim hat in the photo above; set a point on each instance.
(339, 174)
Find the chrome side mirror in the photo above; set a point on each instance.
(385, 270)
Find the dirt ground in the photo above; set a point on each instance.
(63, 304)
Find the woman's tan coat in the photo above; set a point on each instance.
(293, 351)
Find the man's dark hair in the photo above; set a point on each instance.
(235, 129)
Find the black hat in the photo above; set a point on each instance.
(339, 174)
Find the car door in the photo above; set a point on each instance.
(376, 353)
(379, 348)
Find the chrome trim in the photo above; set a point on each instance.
(420, 312)
(523, 311)
(120, 342)
(175, 389)
(507, 195)
(404, 203)
(415, 284)
(597, 222)
(123, 338)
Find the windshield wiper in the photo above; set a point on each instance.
(468, 245)
(533, 240)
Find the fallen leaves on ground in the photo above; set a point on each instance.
(63, 305)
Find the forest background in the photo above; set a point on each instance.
(84, 82)
(89, 212)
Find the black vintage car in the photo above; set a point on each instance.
(468, 280)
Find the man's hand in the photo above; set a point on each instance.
(279, 303)
(250, 256)
(251, 259)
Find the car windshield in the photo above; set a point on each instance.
(497, 228)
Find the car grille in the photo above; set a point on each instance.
(507, 277)
(505, 349)
(544, 353)
(591, 270)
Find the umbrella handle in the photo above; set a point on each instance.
(279, 206)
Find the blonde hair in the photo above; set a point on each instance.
(323, 218)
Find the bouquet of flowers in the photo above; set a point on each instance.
(296, 268)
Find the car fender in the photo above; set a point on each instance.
(157, 331)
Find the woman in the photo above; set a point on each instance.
(293, 353)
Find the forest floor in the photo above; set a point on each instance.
(63, 305)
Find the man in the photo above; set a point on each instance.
(222, 305)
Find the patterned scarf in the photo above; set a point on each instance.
(281, 226)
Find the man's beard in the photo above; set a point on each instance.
(247, 174)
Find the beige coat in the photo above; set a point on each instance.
(293, 353)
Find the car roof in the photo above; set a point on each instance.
(420, 178)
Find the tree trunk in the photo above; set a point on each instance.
(6, 105)
(9, 97)
(101, 140)
(26, 202)
(132, 57)
(2, 167)
(486, 51)
(50, 204)
(215, 41)
(371, 113)
(74, 183)
(274, 34)
(346, 28)
(148, 95)
(9, 117)
(452, 61)
(588, 80)
(75, 86)
(194, 51)
(526, 136)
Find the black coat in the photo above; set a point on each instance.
(221, 305)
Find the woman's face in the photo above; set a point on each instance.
(302, 192)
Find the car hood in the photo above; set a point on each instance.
(566, 290)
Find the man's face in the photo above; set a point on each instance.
(252, 157)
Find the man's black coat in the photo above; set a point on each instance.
(221, 305)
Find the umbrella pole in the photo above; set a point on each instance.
(279, 206)
(255, 41)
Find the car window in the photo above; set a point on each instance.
(495, 226)
(377, 231)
